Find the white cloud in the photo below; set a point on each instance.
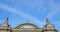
(57, 22)
(54, 9)
(13, 10)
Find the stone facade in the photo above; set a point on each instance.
(27, 27)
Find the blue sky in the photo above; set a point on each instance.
(34, 11)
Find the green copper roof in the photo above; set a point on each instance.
(19, 26)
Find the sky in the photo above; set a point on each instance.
(34, 11)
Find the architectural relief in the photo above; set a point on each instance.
(27, 27)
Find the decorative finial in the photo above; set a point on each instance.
(27, 21)
(47, 20)
(6, 21)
